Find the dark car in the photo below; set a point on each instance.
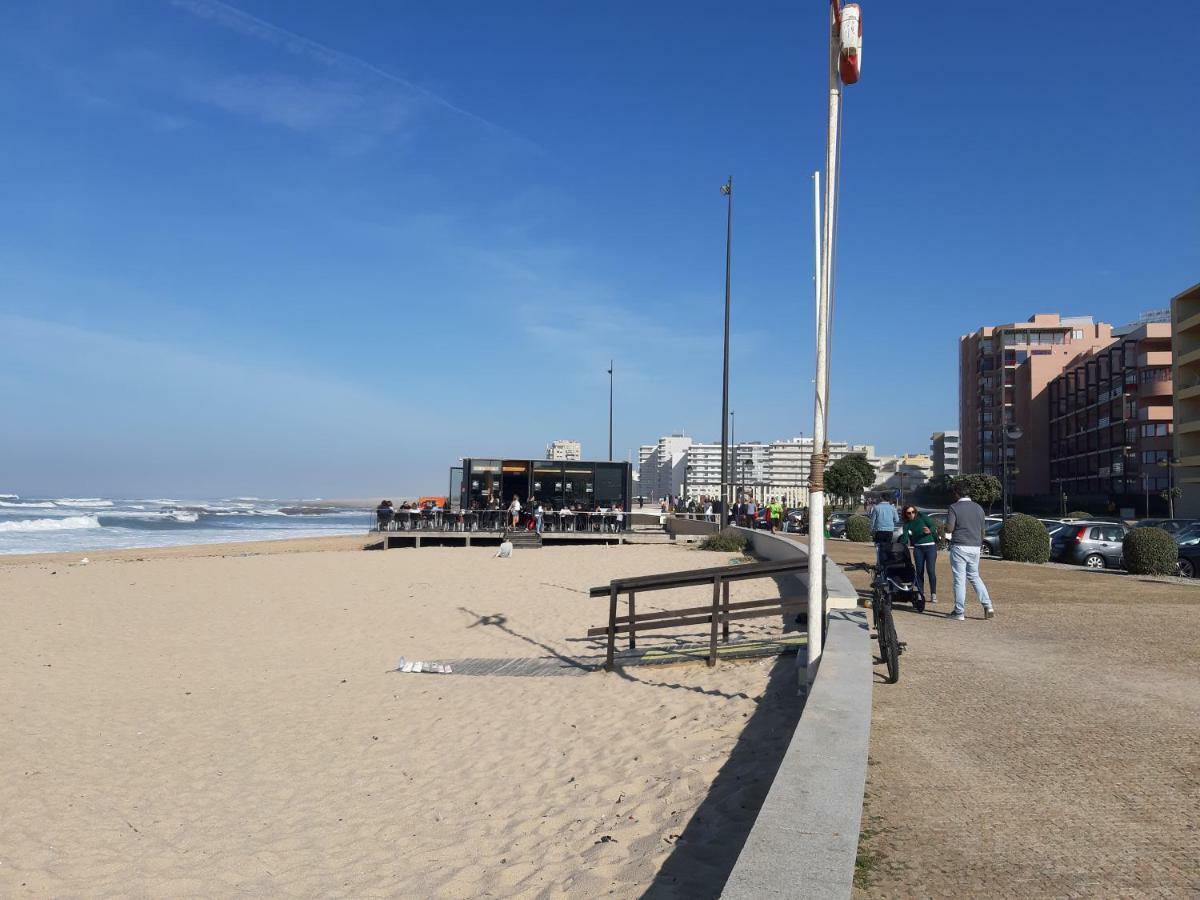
(1171, 526)
(1189, 551)
(1096, 545)
(837, 524)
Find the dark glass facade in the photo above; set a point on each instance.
(578, 485)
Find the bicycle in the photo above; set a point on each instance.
(890, 645)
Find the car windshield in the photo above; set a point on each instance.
(994, 527)
(1188, 536)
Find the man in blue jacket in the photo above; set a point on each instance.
(884, 521)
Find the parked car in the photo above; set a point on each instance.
(991, 539)
(837, 524)
(1189, 551)
(1171, 526)
(1096, 545)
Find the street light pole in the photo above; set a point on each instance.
(610, 407)
(727, 190)
(816, 529)
(1012, 432)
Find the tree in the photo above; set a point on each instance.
(1171, 495)
(983, 489)
(937, 491)
(847, 478)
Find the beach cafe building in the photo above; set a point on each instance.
(581, 485)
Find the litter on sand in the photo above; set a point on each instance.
(418, 666)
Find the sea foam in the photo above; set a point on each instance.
(68, 523)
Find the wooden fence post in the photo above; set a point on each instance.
(716, 618)
(612, 625)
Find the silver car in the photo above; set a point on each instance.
(1097, 545)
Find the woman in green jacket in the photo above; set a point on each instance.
(920, 533)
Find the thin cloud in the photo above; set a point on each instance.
(298, 45)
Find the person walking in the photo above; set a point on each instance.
(775, 510)
(538, 516)
(514, 511)
(964, 527)
(883, 525)
(920, 533)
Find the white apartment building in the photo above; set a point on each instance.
(776, 469)
(567, 450)
(943, 447)
(662, 467)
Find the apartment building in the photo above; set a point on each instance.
(662, 467)
(943, 448)
(1004, 371)
(1185, 344)
(901, 475)
(565, 450)
(775, 469)
(1111, 423)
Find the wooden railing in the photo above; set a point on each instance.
(720, 613)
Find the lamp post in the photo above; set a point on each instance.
(610, 404)
(727, 190)
(1013, 433)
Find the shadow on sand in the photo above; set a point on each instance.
(704, 854)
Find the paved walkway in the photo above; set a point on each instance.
(1052, 751)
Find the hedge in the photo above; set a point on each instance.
(1079, 514)
(727, 541)
(1024, 539)
(858, 529)
(1150, 551)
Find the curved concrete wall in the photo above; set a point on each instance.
(805, 840)
(839, 592)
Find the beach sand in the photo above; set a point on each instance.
(216, 721)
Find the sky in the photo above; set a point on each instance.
(315, 249)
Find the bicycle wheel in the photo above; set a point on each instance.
(889, 646)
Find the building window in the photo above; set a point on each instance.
(1149, 376)
(1077, 334)
(1156, 429)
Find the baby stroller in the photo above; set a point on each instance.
(897, 577)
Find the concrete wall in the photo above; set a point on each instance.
(805, 839)
(840, 593)
(676, 525)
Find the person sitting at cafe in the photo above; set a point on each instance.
(384, 514)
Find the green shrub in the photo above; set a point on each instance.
(1150, 551)
(727, 541)
(858, 528)
(1079, 514)
(1024, 539)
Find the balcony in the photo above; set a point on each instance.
(1155, 389)
(1154, 358)
(1162, 413)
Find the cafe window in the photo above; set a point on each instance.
(578, 486)
(548, 484)
(609, 484)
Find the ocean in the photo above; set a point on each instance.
(74, 524)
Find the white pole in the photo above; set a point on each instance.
(816, 509)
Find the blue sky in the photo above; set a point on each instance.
(325, 249)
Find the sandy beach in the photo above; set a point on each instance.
(225, 720)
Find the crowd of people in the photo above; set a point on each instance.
(745, 511)
(531, 515)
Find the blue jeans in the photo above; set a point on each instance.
(964, 565)
(925, 559)
(538, 518)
